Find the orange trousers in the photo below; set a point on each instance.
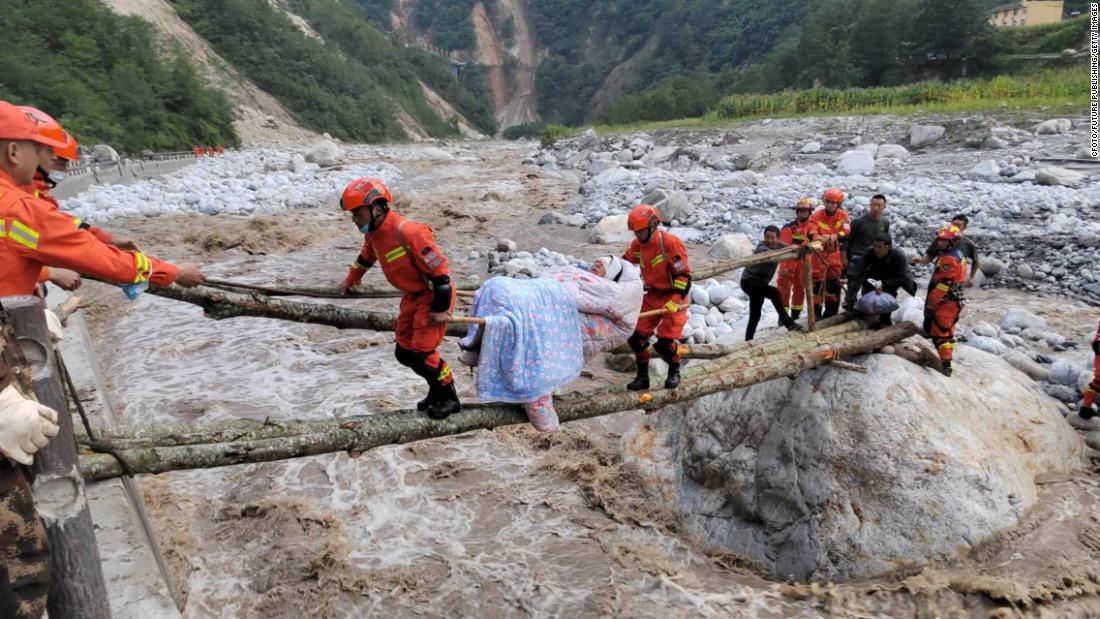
(944, 318)
(792, 286)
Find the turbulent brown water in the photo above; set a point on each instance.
(507, 523)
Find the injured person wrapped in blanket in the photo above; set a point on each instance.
(539, 333)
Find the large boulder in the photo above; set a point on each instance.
(1055, 175)
(892, 151)
(103, 153)
(923, 135)
(325, 153)
(672, 204)
(731, 247)
(837, 475)
(1054, 126)
(611, 230)
(856, 162)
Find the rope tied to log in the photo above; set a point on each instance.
(94, 442)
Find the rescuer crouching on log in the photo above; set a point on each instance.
(412, 263)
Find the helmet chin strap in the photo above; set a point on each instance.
(371, 226)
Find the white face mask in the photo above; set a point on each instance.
(57, 176)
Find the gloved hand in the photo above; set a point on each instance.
(25, 426)
(672, 307)
(874, 283)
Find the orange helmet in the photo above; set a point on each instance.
(69, 152)
(50, 131)
(949, 233)
(833, 195)
(364, 191)
(641, 216)
(806, 204)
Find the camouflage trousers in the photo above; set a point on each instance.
(24, 558)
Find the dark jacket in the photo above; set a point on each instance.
(760, 274)
(864, 231)
(892, 270)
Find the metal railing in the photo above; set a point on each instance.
(125, 164)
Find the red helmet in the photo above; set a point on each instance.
(641, 216)
(806, 204)
(833, 195)
(69, 152)
(949, 233)
(363, 191)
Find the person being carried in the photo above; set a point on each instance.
(1088, 405)
(756, 282)
(791, 282)
(412, 263)
(829, 224)
(944, 302)
(888, 269)
(667, 277)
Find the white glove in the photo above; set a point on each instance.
(874, 283)
(25, 426)
(54, 326)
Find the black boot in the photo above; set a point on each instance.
(1087, 412)
(947, 371)
(641, 381)
(793, 326)
(427, 401)
(672, 381)
(795, 313)
(832, 308)
(446, 403)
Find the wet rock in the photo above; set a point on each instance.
(994, 143)
(700, 296)
(1024, 271)
(810, 148)
(731, 247)
(1058, 176)
(991, 266)
(988, 344)
(829, 475)
(1054, 126)
(718, 294)
(1063, 373)
(1016, 320)
(856, 162)
(987, 170)
(892, 151)
(325, 153)
(611, 230)
(985, 329)
(1022, 362)
(672, 204)
(614, 176)
(625, 155)
(553, 217)
(599, 166)
(741, 161)
(506, 245)
(923, 135)
(432, 153)
(1061, 393)
(746, 178)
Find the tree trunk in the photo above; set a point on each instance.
(359, 434)
(219, 305)
(324, 292)
(786, 253)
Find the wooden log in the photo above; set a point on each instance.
(220, 304)
(77, 587)
(359, 434)
(778, 255)
(327, 292)
(808, 285)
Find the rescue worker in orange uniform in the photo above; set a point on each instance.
(412, 263)
(52, 167)
(33, 234)
(829, 224)
(791, 282)
(1088, 406)
(667, 276)
(945, 301)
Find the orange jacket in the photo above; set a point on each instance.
(835, 228)
(950, 271)
(664, 263)
(407, 251)
(33, 234)
(795, 233)
(41, 190)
